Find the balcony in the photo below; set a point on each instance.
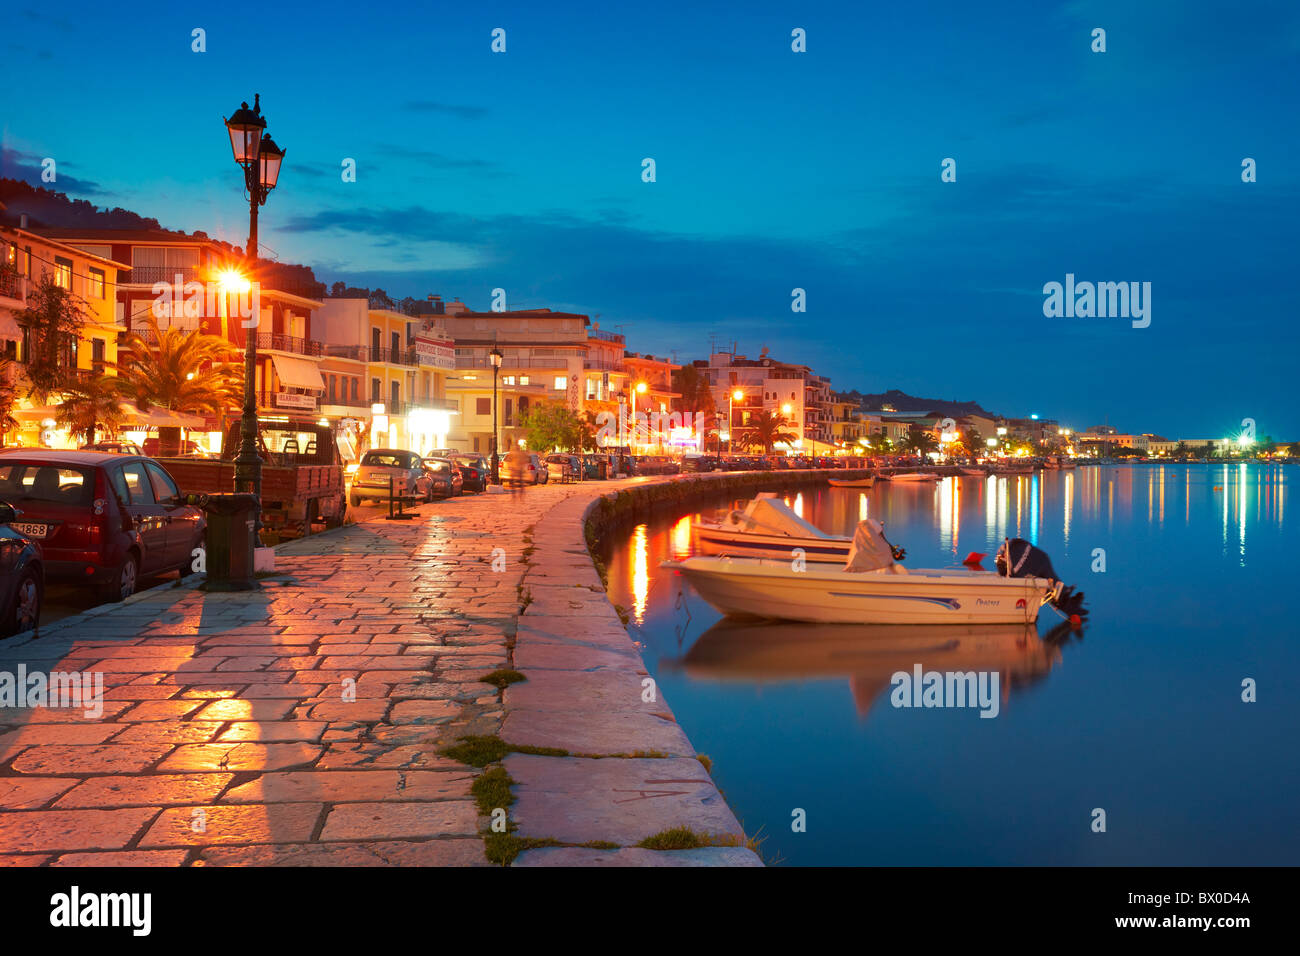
(598, 365)
(148, 275)
(604, 336)
(394, 356)
(358, 353)
(11, 287)
(274, 341)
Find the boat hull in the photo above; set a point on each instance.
(851, 482)
(745, 587)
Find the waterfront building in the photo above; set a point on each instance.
(765, 384)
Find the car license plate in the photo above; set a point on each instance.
(31, 530)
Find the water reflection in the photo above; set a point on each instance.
(868, 656)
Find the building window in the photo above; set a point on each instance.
(356, 387)
(507, 380)
(523, 379)
(510, 412)
(483, 406)
(63, 273)
(561, 382)
(374, 391)
(96, 284)
(97, 355)
(374, 344)
(332, 381)
(397, 397)
(11, 255)
(396, 346)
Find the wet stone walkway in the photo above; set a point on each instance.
(303, 724)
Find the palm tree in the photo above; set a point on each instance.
(920, 441)
(90, 403)
(179, 370)
(768, 428)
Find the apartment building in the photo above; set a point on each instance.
(747, 387)
(93, 277)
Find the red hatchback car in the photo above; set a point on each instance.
(104, 519)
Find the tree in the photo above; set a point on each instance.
(181, 371)
(53, 319)
(920, 441)
(696, 395)
(89, 404)
(551, 425)
(8, 397)
(768, 428)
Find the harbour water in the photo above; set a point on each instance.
(1190, 577)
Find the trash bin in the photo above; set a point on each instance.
(230, 540)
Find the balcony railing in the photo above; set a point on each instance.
(394, 356)
(11, 285)
(603, 366)
(604, 336)
(148, 275)
(288, 343)
(357, 352)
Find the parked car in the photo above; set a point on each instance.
(444, 478)
(22, 576)
(389, 471)
(475, 472)
(595, 467)
(563, 467)
(535, 472)
(101, 519)
(699, 464)
(115, 447)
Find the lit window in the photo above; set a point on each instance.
(523, 379)
(96, 284)
(561, 382)
(63, 273)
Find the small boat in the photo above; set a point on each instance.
(1058, 462)
(914, 476)
(974, 472)
(767, 528)
(851, 482)
(872, 588)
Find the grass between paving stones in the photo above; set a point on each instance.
(684, 838)
(707, 762)
(492, 790)
(479, 750)
(503, 677)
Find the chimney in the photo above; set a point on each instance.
(22, 221)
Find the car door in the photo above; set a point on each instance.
(148, 517)
(181, 520)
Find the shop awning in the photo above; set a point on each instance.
(298, 373)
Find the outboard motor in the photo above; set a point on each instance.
(1017, 558)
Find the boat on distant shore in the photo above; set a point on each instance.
(871, 587)
(912, 476)
(1058, 462)
(974, 472)
(851, 482)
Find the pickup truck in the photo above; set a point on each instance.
(302, 475)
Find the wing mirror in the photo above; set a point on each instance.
(8, 512)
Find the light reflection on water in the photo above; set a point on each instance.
(1140, 713)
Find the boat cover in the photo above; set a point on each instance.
(768, 514)
(869, 550)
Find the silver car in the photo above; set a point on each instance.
(385, 471)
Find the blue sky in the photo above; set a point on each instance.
(775, 170)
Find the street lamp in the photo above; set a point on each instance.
(735, 396)
(495, 358)
(260, 158)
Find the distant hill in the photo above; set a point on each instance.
(55, 210)
(902, 402)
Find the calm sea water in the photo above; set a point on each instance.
(1140, 715)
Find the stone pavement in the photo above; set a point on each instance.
(301, 724)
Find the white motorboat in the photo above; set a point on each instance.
(913, 476)
(767, 528)
(872, 588)
(974, 472)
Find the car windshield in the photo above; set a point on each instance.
(388, 459)
(436, 464)
(57, 484)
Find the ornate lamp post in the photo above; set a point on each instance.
(260, 158)
(495, 358)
